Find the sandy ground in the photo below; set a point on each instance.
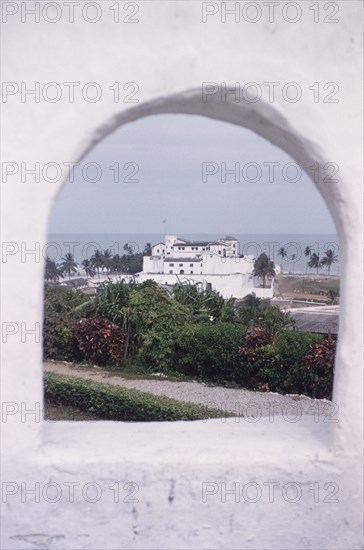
(249, 404)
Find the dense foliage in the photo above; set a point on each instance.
(156, 320)
(116, 403)
(319, 363)
(60, 304)
(209, 351)
(190, 331)
(205, 304)
(292, 362)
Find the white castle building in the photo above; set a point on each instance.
(218, 263)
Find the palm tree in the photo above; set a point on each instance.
(68, 264)
(264, 267)
(97, 261)
(88, 268)
(308, 253)
(107, 257)
(283, 253)
(52, 270)
(117, 264)
(329, 259)
(147, 250)
(129, 249)
(314, 262)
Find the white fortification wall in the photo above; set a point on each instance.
(235, 285)
(169, 54)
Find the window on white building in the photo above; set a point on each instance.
(171, 265)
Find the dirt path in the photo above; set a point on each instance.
(239, 401)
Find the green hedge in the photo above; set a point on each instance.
(116, 403)
(209, 351)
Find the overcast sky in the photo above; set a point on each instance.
(167, 155)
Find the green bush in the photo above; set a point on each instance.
(260, 312)
(58, 340)
(284, 364)
(156, 319)
(59, 299)
(209, 351)
(60, 316)
(204, 303)
(292, 345)
(261, 368)
(115, 403)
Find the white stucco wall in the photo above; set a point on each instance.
(236, 285)
(215, 264)
(169, 54)
(153, 264)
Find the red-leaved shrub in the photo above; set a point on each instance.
(319, 361)
(100, 341)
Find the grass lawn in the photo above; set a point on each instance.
(306, 286)
(130, 371)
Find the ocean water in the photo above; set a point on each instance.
(83, 246)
